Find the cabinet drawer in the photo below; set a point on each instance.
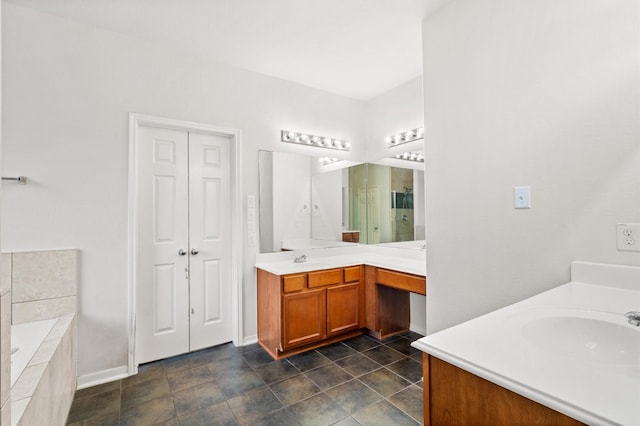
(293, 283)
(351, 274)
(408, 282)
(323, 278)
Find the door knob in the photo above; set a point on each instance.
(181, 252)
(194, 251)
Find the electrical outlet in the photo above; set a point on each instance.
(628, 236)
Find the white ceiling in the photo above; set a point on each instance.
(355, 48)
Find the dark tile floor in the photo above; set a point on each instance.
(358, 382)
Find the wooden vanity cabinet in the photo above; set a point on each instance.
(453, 396)
(298, 312)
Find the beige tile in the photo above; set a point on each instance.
(61, 326)
(17, 410)
(60, 378)
(45, 352)
(5, 414)
(42, 309)
(40, 408)
(5, 272)
(5, 347)
(44, 275)
(26, 384)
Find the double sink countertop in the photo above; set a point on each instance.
(570, 348)
(397, 259)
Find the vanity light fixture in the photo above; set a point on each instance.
(325, 161)
(405, 137)
(313, 140)
(411, 156)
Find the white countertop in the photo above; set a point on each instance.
(402, 260)
(506, 347)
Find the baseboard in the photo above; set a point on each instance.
(105, 376)
(100, 377)
(418, 330)
(249, 340)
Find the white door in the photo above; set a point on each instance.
(163, 285)
(184, 248)
(210, 237)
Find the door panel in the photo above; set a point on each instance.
(213, 292)
(304, 317)
(211, 194)
(209, 219)
(162, 321)
(343, 308)
(164, 299)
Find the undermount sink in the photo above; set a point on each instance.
(589, 336)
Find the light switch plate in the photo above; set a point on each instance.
(251, 201)
(251, 213)
(522, 197)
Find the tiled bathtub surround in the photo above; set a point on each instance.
(5, 354)
(43, 283)
(44, 391)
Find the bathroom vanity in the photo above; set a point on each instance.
(339, 294)
(567, 356)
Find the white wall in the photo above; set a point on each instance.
(68, 89)
(540, 93)
(393, 112)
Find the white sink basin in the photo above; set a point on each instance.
(587, 335)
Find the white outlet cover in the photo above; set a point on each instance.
(628, 236)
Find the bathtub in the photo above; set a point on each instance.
(26, 338)
(43, 370)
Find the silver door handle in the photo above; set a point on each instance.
(194, 251)
(181, 252)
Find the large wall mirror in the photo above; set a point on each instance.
(304, 203)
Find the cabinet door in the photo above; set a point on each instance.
(304, 318)
(343, 308)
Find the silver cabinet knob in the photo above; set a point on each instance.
(181, 252)
(194, 251)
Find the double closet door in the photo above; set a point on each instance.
(184, 249)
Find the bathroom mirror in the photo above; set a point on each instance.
(305, 204)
